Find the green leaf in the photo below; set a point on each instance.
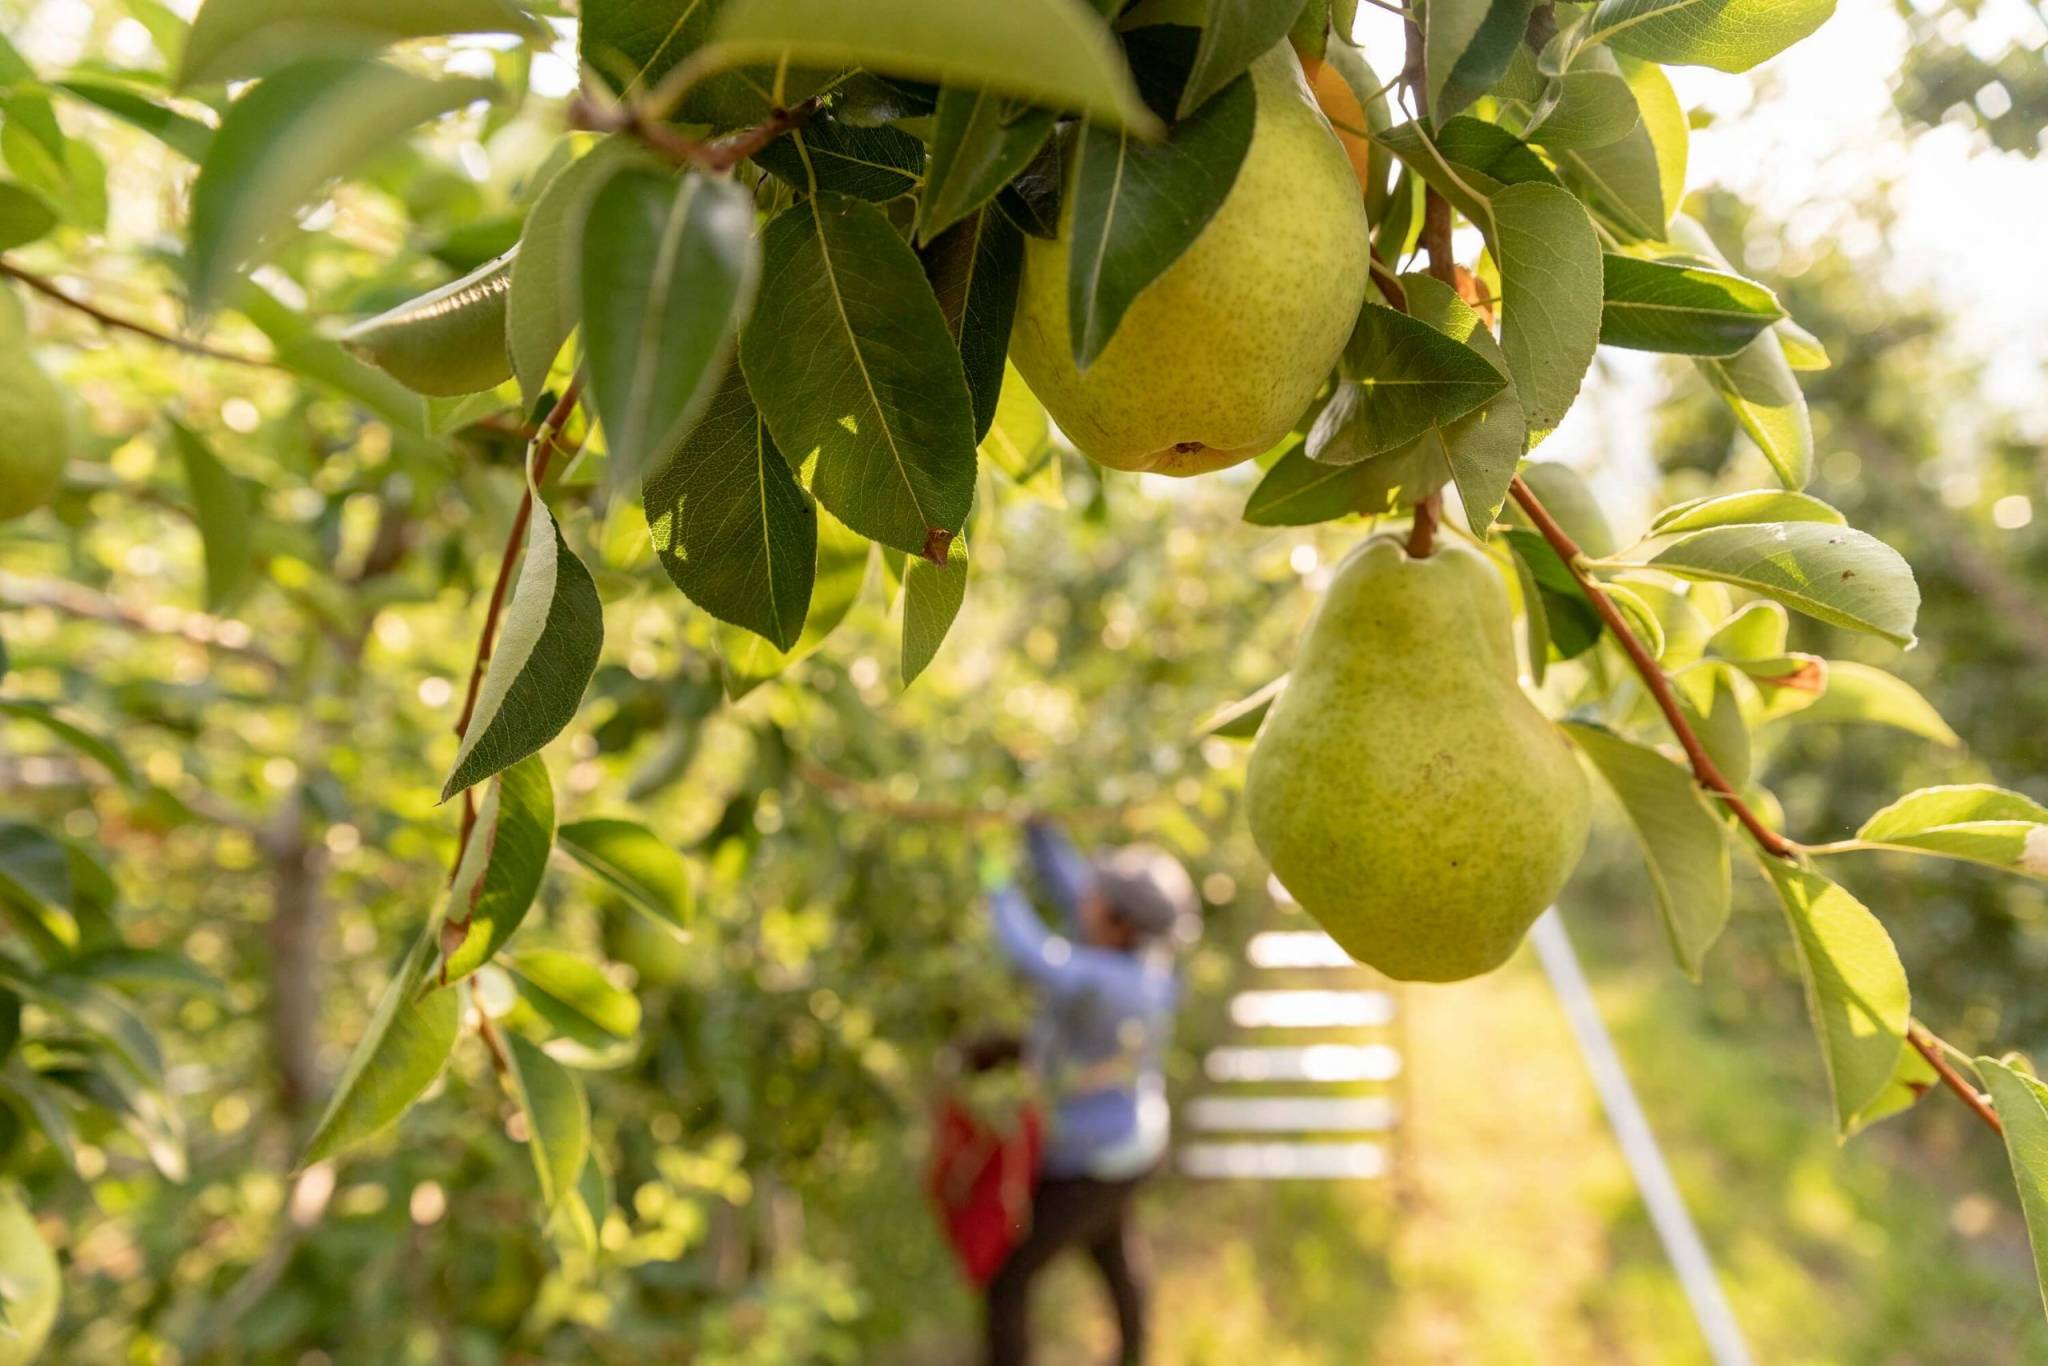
(1298, 491)
(876, 164)
(850, 361)
(1803, 350)
(1466, 47)
(1685, 845)
(1974, 822)
(139, 108)
(236, 39)
(1550, 271)
(932, 595)
(1468, 162)
(1636, 181)
(288, 137)
(1728, 35)
(731, 525)
(1833, 573)
(31, 1284)
(1856, 990)
(669, 267)
(557, 1116)
(1911, 1077)
(1572, 621)
(1057, 53)
(1234, 32)
(94, 747)
(1571, 504)
(1240, 720)
(447, 342)
(842, 567)
(1019, 441)
(500, 870)
(1737, 509)
(547, 648)
(974, 269)
(1482, 448)
(1138, 206)
(401, 1052)
(1681, 310)
(980, 142)
(638, 865)
(303, 351)
(1757, 632)
(2022, 1103)
(1594, 109)
(1861, 693)
(1757, 384)
(24, 215)
(1406, 377)
(575, 997)
(220, 500)
(546, 298)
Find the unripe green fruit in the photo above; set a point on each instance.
(1404, 789)
(1218, 356)
(447, 342)
(35, 435)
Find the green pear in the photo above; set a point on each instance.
(448, 342)
(1404, 789)
(35, 434)
(1219, 356)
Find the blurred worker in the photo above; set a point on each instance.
(1110, 990)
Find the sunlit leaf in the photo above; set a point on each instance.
(1729, 35)
(636, 863)
(236, 39)
(557, 1116)
(1971, 821)
(932, 595)
(448, 341)
(500, 871)
(1863, 693)
(398, 1057)
(2022, 1102)
(1833, 573)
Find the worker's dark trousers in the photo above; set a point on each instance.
(1071, 1212)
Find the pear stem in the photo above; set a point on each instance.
(1422, 533)
(1654, 678)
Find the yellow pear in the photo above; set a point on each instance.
(1404, 789)
(35, 434)
(1219, 356)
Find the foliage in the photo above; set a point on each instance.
(744, 304)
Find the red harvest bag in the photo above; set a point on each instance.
(981, 1180)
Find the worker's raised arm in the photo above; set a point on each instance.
(1048, 959)
(1059, 865)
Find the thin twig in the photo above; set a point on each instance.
(1931, 1049)
(199, 628)
(49, 289)
(540, 452)
(1654, 678)
(717, 157)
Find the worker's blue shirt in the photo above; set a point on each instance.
(1104, 1024)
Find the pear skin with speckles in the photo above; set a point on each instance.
(1404, 789)
(1218, 357)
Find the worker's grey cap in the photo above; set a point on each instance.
(1150, 890)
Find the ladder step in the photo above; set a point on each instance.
(1295, 949)
(1310, 1009)
(1315, 1062)
(1284, 1161)
(1290, 1114)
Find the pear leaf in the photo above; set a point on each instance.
(1405, 378)
(401, 1052)
(2022, 1102)
(932, 595)
(636, 863)
(1550, 267)
(1466, 47)
(1974, 822)
(1856, 990)
(1233, 33)
(1863, 693)
(980, 142)
(1832, 573)
(1681, 310)
(1728, 35)
(557, 1116)
(515, 825)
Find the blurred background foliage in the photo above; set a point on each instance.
(279, 831)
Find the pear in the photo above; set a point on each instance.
(35, 434)
(1217, 358)
(446, 343)
(1404, 789)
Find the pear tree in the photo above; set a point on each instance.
(806, 283)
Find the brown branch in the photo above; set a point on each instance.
(489, 1033)
(870, 798)
(658, 137)
(50, 290)
(1931, 1049)
(1703, 766)
(199, 628)
(541, 452)
(1436, 236)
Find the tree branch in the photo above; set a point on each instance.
(1931, 1049)
(75, 600)
(539, 453)
(870, 798)
(50, 290)
(1703, 766)
(716, 157)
